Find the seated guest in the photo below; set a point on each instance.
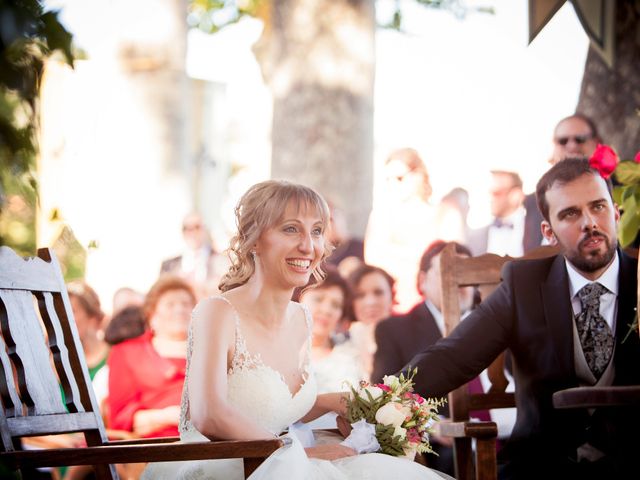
(564, 319)
(89, 317)
(126, 297)
(147, 373)
(401, 337)
(373, 298)
(333, 363)
(127, 323)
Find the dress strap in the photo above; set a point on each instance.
(241, 356)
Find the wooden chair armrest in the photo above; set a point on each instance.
(153, 452)
(592, 397)
(469, 429)
(143, 441)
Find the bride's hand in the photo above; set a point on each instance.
(330, 452)
(344, 426)
(334, 402)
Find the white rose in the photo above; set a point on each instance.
(400, 432)
(375, 392)
(391, 414)
(391, 381)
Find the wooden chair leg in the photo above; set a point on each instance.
(250, 465)
(463, 458)
(486, 459)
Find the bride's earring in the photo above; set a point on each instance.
(254, 255)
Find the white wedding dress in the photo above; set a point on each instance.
(261, 393)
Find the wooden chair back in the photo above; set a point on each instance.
(40, 354)
(484, 273)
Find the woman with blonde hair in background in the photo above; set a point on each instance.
(402, 224)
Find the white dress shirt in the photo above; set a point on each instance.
(507, 240)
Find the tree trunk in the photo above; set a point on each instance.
(318, 56)
(612, 96)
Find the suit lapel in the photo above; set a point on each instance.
(558, 314)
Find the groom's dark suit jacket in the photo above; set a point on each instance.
(530, 314)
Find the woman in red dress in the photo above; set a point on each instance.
(146, 373)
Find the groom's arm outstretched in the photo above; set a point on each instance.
(470, 348)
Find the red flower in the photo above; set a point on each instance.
(637, 157)
(604, 159)
(384, 387)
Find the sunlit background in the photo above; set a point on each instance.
(468, 93)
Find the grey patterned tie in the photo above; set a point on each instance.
(594, 332)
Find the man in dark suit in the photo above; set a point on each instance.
(400, 337)
(564, 319)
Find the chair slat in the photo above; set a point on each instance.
(38, 386)
(51, 424)
(11, 403)
(32, 274)
(59, 352)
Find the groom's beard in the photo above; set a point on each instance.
(591, 260)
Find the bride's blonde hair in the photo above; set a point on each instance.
(261, 207)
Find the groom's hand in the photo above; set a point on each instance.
(330, 452)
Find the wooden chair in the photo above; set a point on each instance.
(40, 352)
(483, 272)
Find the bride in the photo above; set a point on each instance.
(249, 375)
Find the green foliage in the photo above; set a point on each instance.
(389, 443)
(212, 15)
(627, 196)
(29, 35)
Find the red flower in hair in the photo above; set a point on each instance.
(604, 159)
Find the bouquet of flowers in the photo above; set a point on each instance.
(389, 418)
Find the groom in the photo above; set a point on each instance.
(564, 319)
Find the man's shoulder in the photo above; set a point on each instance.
(530, 268)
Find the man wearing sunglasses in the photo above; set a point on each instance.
(574, 136)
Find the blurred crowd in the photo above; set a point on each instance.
(379, 304)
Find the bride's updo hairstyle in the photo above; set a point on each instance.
(260, 208)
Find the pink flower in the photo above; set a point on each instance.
(413, 436)
(637, 157)
(384, 387)
(418, 399)
(604, 159)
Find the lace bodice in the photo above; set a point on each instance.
(256, 389)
